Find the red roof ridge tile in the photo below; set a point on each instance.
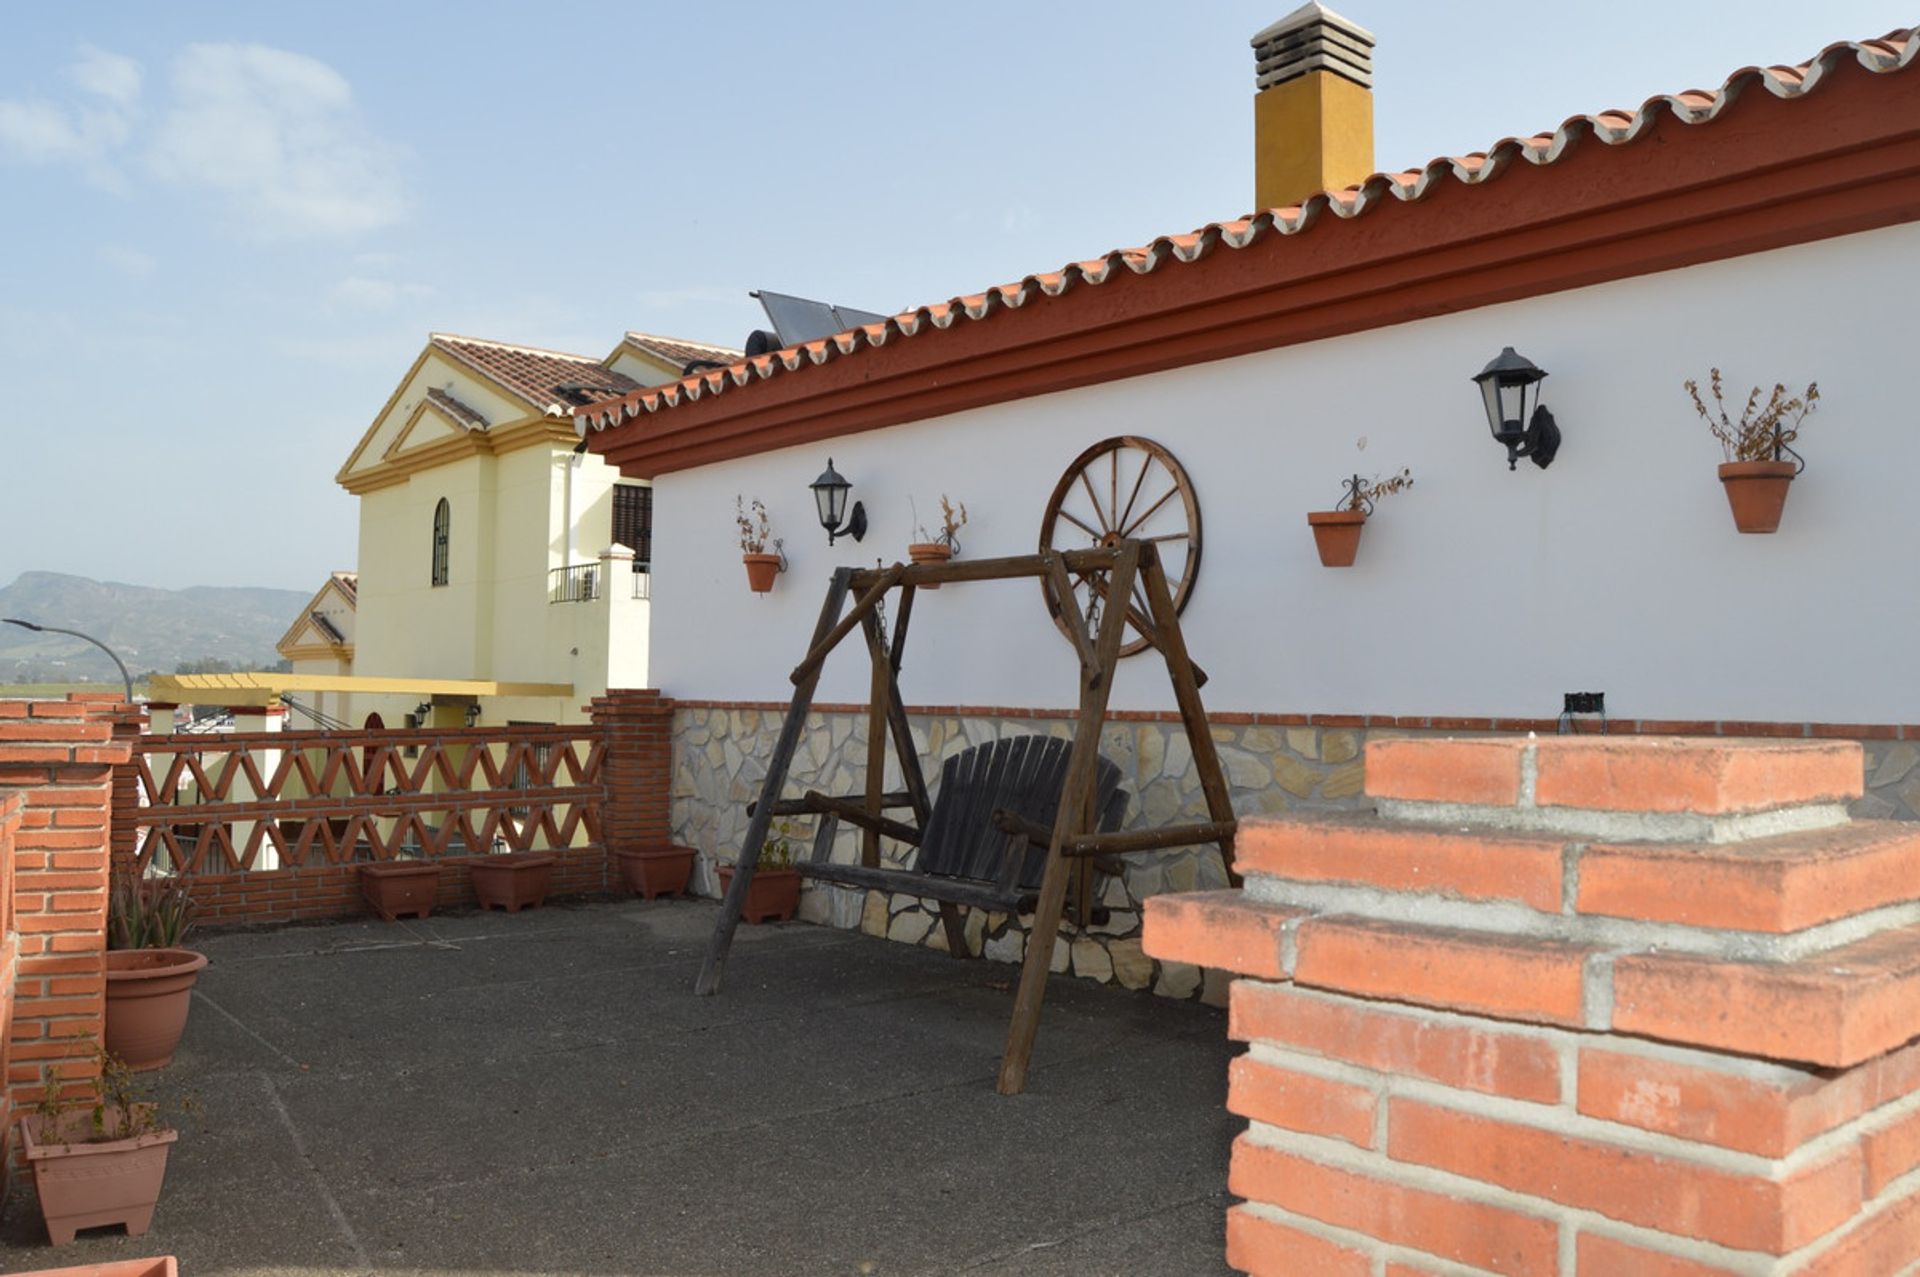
(1614, 127)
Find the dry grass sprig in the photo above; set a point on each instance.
(1764, 430)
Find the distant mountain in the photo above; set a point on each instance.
(150, 629)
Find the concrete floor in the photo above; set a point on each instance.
(542, 1094)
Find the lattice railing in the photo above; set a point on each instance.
(276, 800)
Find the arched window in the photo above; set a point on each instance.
(442, 516)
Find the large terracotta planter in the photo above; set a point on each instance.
(930, 552)
(158, 1266)
(1336, 535)
(761, 569)
(148, 994)
(399, 887)
(88, 1185)
(656, 871)
(516, 881)
(1757, 491)
(772, 896)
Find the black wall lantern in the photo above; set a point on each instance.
(1511, 387)
(830, 495)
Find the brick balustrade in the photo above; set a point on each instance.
(1574, 1005)
(56, 789)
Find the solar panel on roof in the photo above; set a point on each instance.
(799, 319)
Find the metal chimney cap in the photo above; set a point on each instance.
(1313, 38)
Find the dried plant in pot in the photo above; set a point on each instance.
(1760, 460)
(756, 534)
(938, 547)
(774, 893)
(1336, 532)
(98, 1152)
(150, 976)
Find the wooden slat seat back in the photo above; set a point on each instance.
(1019, 774)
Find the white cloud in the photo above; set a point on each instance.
(130, 262)
(362, 293)
(277, 135)
(42, 132)
(113, 76)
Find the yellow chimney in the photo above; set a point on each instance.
(1313, 115)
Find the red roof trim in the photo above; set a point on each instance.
(1780, 164)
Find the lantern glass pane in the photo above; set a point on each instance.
(829, 499)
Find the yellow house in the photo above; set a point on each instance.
(496, 556)
(320, 643)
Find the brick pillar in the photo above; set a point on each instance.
(1574, 1005)
(638, 727)
(11, 807)
(57, 761)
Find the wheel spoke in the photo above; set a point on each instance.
(1151, 510)
(1146, 464)
(1092, 496)
(1169, 536)
(1113, 485)
(1070, 517)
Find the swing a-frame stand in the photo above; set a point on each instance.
(1127, 588)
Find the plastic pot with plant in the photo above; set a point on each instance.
(1336, 532)
(98, 1151)
(774, 892)
(150, 975)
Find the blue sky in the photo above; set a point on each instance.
(226, 228)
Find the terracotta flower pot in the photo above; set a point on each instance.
(399, 887)
(930, 552)
(158, 1266)
(761, 569)
(656, 871)
(773, 895)
(1757, 491)
(148, 994)
(114, 1181)
(516, 881)
(1336, 534)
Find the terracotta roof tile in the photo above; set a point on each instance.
(680, 352)
(1892, 52)
(552, 381)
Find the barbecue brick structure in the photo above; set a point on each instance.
(1574, 1004)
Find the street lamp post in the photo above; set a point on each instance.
(54, 629)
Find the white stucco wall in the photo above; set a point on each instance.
(1479, 592)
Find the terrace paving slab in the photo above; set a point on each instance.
(541, 1093)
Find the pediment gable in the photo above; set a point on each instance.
(439, 401)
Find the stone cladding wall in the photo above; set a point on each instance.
(1274, 763)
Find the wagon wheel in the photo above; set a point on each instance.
(1124, 487)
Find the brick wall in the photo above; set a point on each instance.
(1574, 1005)
(56, 775)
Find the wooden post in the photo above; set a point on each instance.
(879, 701)
(1096, 687)
(1186, 694)
(716, 959)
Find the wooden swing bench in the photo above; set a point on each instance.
(985, 841)
(1021, 823)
